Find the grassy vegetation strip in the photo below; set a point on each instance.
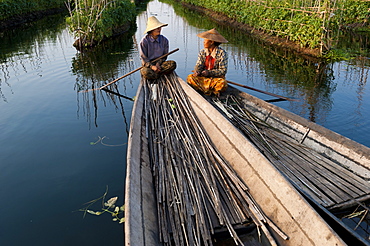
(12, 8)
(312, 24)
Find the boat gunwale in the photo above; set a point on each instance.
(140, 226)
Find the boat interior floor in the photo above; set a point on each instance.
(248, 234)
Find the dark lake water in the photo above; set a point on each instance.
(61, 148)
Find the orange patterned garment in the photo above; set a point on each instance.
(206, 85)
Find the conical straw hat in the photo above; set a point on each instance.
(213, 35)
(153, 23)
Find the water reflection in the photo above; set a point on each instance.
(23, 49)
(355, 43)
(46, 149)
(99, 66)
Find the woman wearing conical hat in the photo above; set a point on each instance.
(152, 46)
(211, 66)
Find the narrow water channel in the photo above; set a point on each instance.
(61, 147)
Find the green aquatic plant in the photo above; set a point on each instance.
(108, 206)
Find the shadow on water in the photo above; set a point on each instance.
(101, 64)
(356, 43)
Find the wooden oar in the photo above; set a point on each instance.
(133, 71)
(265, 92)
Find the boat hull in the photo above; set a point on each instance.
(141, 223)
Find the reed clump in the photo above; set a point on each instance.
(92, 21)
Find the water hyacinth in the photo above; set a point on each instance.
(107, 207)
(111, 202)
(93, 212)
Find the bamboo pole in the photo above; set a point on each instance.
(261, 91)
(137, 69)
(129, 73)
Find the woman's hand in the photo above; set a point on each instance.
(205, 73)
(156, 68)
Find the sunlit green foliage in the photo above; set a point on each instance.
(354, 11)
(93, 20)
(313, 24)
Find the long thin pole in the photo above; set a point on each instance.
(265, 92)
(137, 69)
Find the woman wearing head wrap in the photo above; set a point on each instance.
(152, 46)
(211, 66)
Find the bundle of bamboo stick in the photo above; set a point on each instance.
(197, 190)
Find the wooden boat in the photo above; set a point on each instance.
(330, 170)
(276, 196)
